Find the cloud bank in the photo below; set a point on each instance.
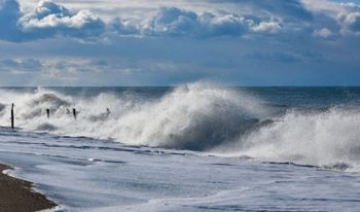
(251, 42)
(20, 66)
(48, 19)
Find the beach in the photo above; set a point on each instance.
(17, 195)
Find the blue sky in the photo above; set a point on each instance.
(162, 42)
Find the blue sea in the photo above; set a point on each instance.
(199, 147)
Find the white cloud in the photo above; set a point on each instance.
(50, 19)
(183, 18)
(351, 22)
(175, 22)
(324, 32)
(340, 18)
(171, 41)
(268, 27)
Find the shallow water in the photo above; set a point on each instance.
(82, 174)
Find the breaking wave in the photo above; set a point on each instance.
(196, 116)
(329, 139)
(199, 116)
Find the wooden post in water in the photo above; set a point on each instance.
(74, 113)
(48, 113)
(12, 116)
(107, 112)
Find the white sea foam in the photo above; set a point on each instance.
(82, 174)
(88, 174)
(194, 116)
(328, 139)
(198, 116)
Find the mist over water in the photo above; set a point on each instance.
(310, 127)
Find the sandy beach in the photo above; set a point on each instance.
(17, 195)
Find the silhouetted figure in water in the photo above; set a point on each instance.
(74, 113)
(48, 113)
(12, 116)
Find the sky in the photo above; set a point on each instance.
(163, 42)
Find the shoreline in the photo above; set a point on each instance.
(17, 195)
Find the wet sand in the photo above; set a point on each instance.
(17, 195)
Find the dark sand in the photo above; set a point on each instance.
(17, 196)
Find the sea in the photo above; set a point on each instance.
(197, 147)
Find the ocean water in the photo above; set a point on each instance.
(193, 147)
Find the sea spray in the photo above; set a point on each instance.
(328, 138)
(283, 125)
(196, 116)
